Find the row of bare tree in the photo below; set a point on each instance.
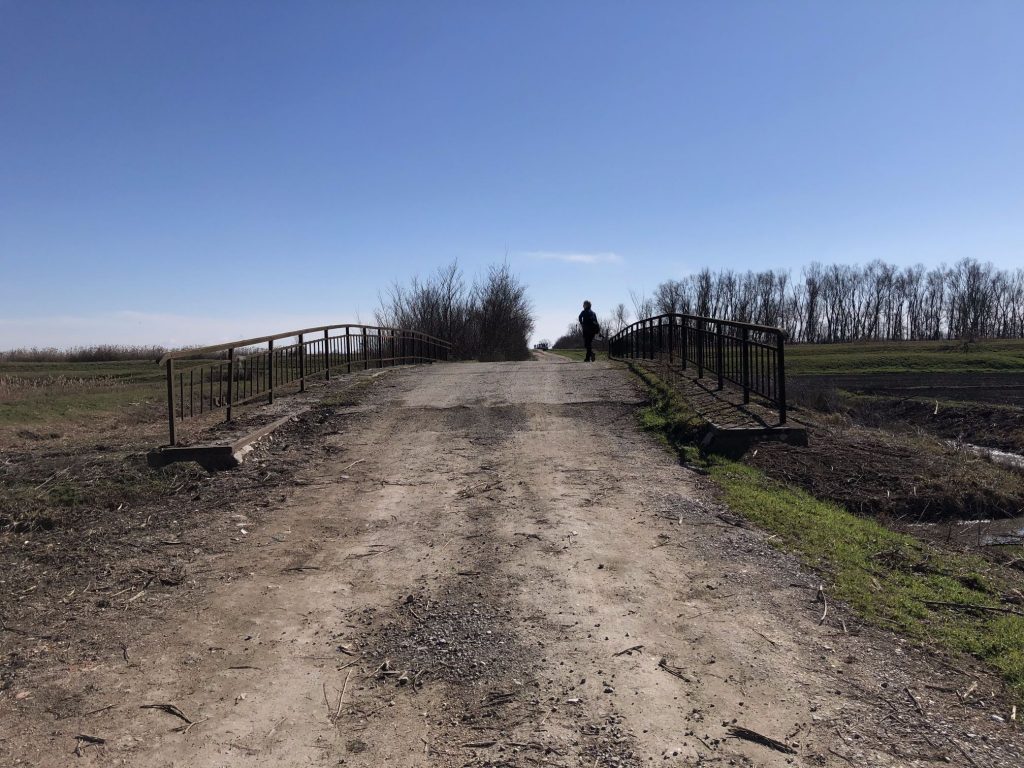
(490, 319)
(837, 302)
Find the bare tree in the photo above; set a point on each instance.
(841, 302)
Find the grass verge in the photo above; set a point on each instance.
(887, 578)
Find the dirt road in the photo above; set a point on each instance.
(490, 565)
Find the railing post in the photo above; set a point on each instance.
(231, 381)
(701, 332)
(720, 355)
(380, 349)
(780, 374)
(302, 364)
(746, 365)
(366, 352)
(327, 355)
(671, 334)
(170, 400)
(348, 348)
(661, 338)
(685, 341)
(270, 371)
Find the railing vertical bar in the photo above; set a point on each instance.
(327, 355)
(270, 371)
(700, 349)
(231, 381)
(719, 355)
(746, 365)
(170, 401)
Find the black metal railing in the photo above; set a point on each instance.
(753, 357)
(245, 370)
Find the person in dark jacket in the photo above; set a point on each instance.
(591, 328)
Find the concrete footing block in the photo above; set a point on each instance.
(214, 456)
(736, 441)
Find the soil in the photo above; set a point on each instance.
(893, 475)
(476, 565)
(984, 424)
(994, 388)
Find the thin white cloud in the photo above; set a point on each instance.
(572, 257)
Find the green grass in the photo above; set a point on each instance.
(997, 356)
(885, 577)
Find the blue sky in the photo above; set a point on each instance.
(183, 172)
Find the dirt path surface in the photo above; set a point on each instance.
(490, 565)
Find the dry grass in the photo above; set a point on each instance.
(97, 354)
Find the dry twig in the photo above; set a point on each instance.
(914, 699)
(628, 650)
(758, 738)
(674, 671)
(170, 709)
(973, 607)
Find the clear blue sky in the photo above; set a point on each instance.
(181, 172)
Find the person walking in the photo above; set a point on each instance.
(591, 328)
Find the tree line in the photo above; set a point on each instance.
(840, 302)
(488, 319)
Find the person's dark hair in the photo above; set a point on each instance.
(586, 305)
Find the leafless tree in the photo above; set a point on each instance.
(840, 302)
(490, 320)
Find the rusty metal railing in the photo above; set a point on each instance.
(243, 373)
(752, 357)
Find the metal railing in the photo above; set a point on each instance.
(242, 374)
(753, 357)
